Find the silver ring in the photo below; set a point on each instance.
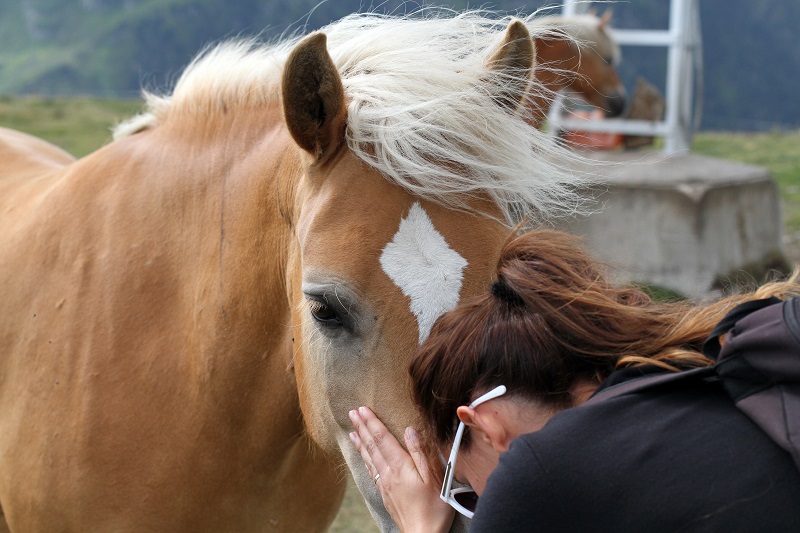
(376, 478)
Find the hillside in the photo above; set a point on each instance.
(112, 48)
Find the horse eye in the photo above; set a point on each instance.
(324, 314)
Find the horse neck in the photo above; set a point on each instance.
(195, 201)
(158, 266)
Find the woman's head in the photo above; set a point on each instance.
(507, 336)
(551, 320)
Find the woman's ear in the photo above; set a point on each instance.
(466, 414)
(488, 425)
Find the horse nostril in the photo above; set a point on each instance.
(615, 105)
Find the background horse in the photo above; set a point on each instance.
(576, 54)
(189, 313)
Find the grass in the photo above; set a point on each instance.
(353, 516)
(78, 125)
(778, 151)
(81, 125)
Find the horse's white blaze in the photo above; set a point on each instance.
(427, 270)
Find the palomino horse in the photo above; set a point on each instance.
(578, 55)
(189, 313)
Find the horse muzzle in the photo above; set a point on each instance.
(615, 105)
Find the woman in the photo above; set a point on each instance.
(551, 332)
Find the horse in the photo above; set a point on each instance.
(189, 312)
(577, 54)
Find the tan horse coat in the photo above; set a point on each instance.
(169, 361)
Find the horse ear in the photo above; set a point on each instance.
(606, 18)
(313, 97)
(513, 63)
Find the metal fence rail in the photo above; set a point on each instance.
(683, 41)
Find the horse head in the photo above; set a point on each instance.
(396, 218)
(579, 54)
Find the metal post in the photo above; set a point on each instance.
(575, 7)
(568, 8)
(691, 49)
(676, 139)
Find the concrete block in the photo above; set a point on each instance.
(684, 222)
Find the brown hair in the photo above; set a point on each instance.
(550, 320)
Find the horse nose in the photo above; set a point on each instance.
(615, 105)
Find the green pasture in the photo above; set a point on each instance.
(81, 125)
(78, 125)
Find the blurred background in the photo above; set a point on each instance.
(112, 48)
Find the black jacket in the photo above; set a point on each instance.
(673, 458)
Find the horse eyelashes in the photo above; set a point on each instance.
(323, 313)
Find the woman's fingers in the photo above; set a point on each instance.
(411, 501)
(354, 438)
(414, 449)
(372, 435)
(382, 453)
(362, 449)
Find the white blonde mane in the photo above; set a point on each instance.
(422, 109)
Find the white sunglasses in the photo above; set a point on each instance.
(463, 499)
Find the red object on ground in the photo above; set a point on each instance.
(592, 139)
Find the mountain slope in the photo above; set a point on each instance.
(115, 47)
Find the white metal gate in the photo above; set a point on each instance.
(683, 41)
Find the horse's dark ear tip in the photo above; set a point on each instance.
(318, 39)
(308, 49)
(516, 24)
(517, 30)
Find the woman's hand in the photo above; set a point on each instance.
(408, 490)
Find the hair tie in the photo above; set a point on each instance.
(507, 294)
